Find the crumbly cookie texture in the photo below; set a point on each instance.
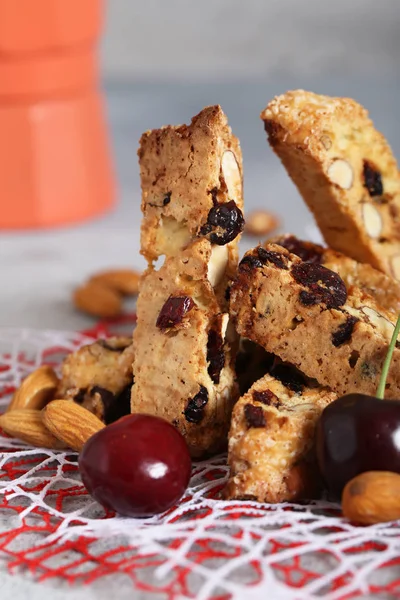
(271, 441)
(99, 376)
(182, 355)
(191, 178)
(303, 313)
(345, 171)
(384, 289)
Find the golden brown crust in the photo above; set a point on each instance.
(302, 313)
(384, 289)
(271, 442)
(345, 171)
(172, 365)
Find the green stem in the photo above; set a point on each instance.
(385, 369)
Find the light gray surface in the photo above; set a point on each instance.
(39, 269)
(251, 38)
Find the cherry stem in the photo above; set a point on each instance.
(386, 365)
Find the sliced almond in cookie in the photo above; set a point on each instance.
(379, 321)
(372, 220)
(340, 172)
(231, 174)
(217, 264)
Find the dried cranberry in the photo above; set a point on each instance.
(289, 376)
(271, 256)
(250, 262)
(323, 284)
(344, 332)
(254, 416)
(80, 396)
(120, 406)
(112, 348)
(266, 397)
(106, 397)
(308, 252)
(372, 179)
(215, 355)
(224, 222)
(173, 311)
(194, 411)
(167, 198)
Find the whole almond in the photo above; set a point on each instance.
(372, 497)
(98, 300)
(36, 390)
(27, 425)
(123, 281)
(70, 423)
(261, 223)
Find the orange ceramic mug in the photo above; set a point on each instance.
(55, 163)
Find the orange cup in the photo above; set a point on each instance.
(55, 165)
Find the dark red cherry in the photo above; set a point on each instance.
(139, 466)
(357, 433)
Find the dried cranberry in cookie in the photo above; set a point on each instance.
(224, 222)
(194, 411)
(173, 312)
(323, 285)
(254, 416)
(384, 289)
(307, 251)
(372, 179)
(266, 397)
(344, 332)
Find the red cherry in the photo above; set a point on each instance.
(139, 466)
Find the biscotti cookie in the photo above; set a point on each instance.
(182, 356)
(271, 441)
(191, 179)
(99, 376)
(303, 313)
(345, 171)
(384, 289)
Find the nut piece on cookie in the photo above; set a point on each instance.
(182, 352)
(99, 377)
(384, 289)
(345, 171)
(271, 441)
(191, 179)
(303, 313)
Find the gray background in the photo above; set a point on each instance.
(171, 39)
(162, 61)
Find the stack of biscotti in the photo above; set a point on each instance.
(317, 308)
(184, 349)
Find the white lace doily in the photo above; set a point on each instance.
(203, 548)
